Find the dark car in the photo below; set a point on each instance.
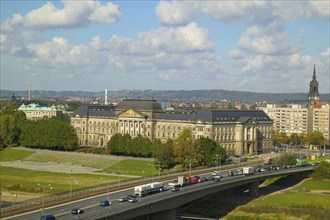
(123, 199)
(76, 211)
(175, 189)
(105, 202)
(47, 217)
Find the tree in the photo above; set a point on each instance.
(210, 149)
(285, 159)
(295, 139)
(186, 151)
(163, 153)
(315, 138)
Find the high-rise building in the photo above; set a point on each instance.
(302, 119)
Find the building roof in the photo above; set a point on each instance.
(214, 116)
(193, 115)
(139, 104)
(95, 110)
(37, 107)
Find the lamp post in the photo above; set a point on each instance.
(218, 156)
(43, 196)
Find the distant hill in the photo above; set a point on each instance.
(164, 95)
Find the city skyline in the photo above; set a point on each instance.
(257, 46)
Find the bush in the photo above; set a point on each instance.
(323, 171)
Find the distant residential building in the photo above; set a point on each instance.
(302, 119)
(35, 111)
(239, 132)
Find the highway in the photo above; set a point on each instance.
(92, 209)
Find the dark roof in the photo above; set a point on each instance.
(95, 110)
(214, 116)
(139, 104)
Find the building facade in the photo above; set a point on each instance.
(302, 120)
(238, 131)
(35, 111)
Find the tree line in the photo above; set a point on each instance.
(314, 138)
(183, 151)
(53, 133)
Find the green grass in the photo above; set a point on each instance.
(317, 159)
(27, 180)
(133, 167)
(11, 154)
(294, 199)
(312, 184)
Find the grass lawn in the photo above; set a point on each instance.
(294, 199)
(10, 154)
(313, 184)
(27, 180)
(133, 167)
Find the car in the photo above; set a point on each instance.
(131, 196)
(132, 200)
(164, 188)
(47, 217)
(76, 211)
(105, 202)
(123, 199)
(175, 189)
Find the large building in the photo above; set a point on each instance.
(35, 111)
(238, 131)
(302, 119)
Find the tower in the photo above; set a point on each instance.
(313, 95)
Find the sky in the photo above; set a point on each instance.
(82, 45)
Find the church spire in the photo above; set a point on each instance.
(313, 95)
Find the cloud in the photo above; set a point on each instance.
(262, 41)
(73, 14)
(177, 12)
(235, 54)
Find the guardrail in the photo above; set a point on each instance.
(62, 198)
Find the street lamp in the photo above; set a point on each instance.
(43, 195)
(218, 157)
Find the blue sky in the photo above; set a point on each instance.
(257, 46)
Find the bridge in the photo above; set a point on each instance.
(162, 205)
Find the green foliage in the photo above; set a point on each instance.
(280, 138)
(315, 138)
(11, 154)
(49, 133)
(323, 171)
(210, 149)
(163, 153)
(126, 145)
(186, 151)
(10, 121)
(285, 159)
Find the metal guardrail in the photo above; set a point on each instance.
(56, 199)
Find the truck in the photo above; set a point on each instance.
(248, 170)
(157, 187)
(143, 190)
(267, 160)
(182, 180)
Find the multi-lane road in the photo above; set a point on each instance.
(93, 210)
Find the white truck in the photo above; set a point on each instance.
(248, 170)
(143, 190)
(157, 187)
